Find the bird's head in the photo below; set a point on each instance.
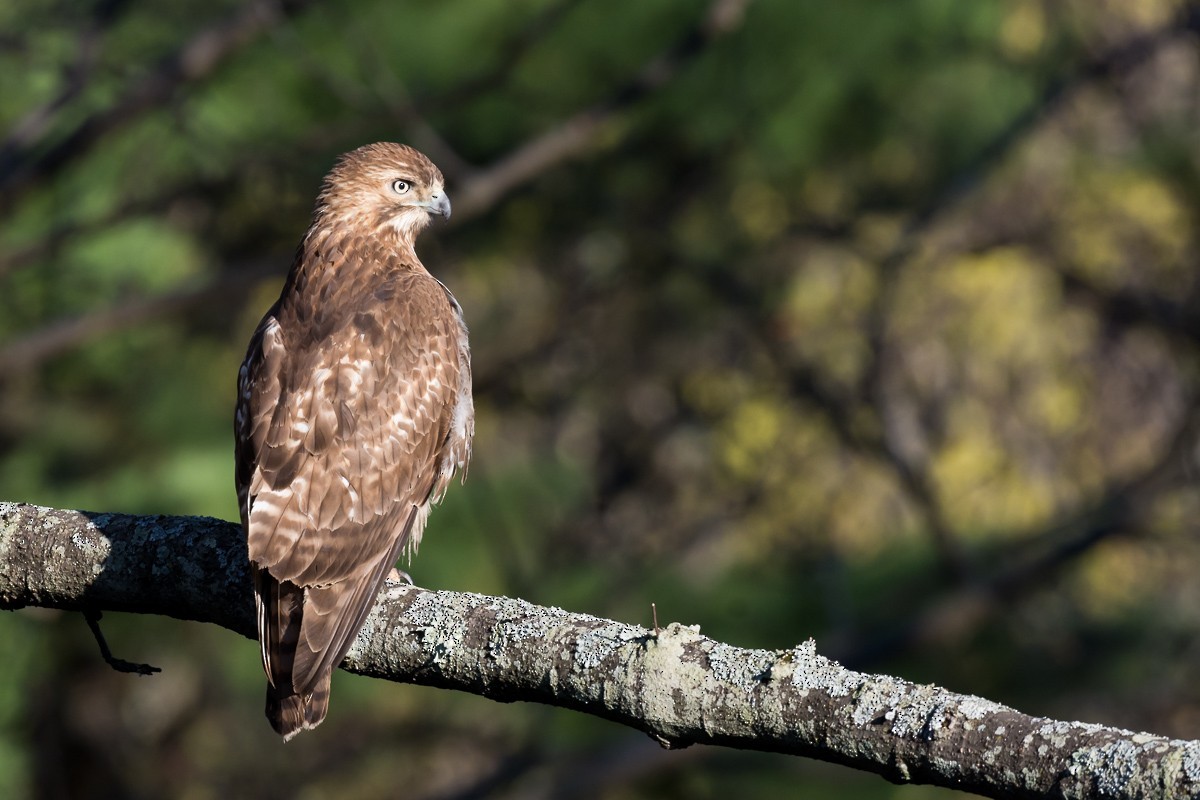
(386, 187)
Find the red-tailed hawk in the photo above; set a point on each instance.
(354, 411)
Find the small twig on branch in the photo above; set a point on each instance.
(93, 618)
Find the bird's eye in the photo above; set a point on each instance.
(401, 187)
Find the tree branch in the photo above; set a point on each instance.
(677, 685)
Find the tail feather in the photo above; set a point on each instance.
(291, 713)
(305, 631)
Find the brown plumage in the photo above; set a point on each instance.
(354, 411)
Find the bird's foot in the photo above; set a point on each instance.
(400, 576)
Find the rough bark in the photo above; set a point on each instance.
(677, 685)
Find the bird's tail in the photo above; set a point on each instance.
(291, 713)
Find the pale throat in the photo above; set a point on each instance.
(398, 230)
(407, 224)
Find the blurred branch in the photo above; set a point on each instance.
(78, 75)
(391, 92)
(57, 236)
(1107, 65)
(805, 382)
(511, 53)
(25, 133)
(1117, 512)
(26, 352)
(1125, 307)
(23, 164)
(482, 189)
(678, 686)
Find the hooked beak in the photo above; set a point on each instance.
(439, 204)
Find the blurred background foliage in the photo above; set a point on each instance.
(872, 322)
